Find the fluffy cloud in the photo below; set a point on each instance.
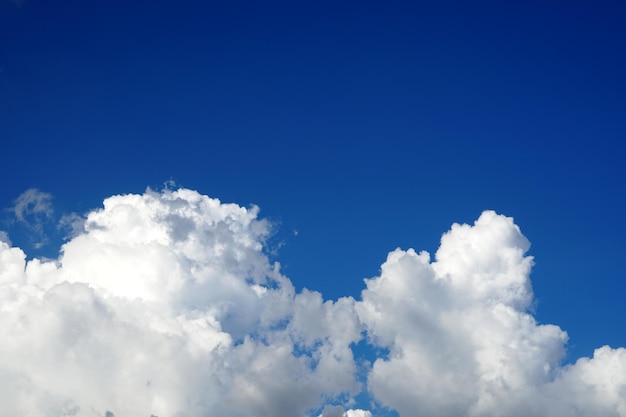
(462, 342)
(165, 304)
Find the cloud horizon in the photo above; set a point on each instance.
(166, 304)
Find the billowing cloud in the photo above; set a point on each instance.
(462, 342)
(165, 304)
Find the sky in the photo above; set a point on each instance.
(335, 209)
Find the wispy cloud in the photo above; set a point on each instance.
(165, 304)
(4, 237)
(72, 224)
(33, 209)
(33, 203)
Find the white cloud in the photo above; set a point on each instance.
(336, 411)
(357, 413)
(165, 304)
(462, 342)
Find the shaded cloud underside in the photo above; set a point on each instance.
(166, 305)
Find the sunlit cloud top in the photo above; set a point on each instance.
(166, 304)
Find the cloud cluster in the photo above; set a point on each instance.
(166, 305)
(462, 342)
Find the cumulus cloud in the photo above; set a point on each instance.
(461, 340)
(165, 304)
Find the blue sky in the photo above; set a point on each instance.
(356, 127)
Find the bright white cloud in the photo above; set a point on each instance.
(358, 413)
(462, 342)
(166, 305)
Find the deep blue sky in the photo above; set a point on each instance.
(363, 126)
